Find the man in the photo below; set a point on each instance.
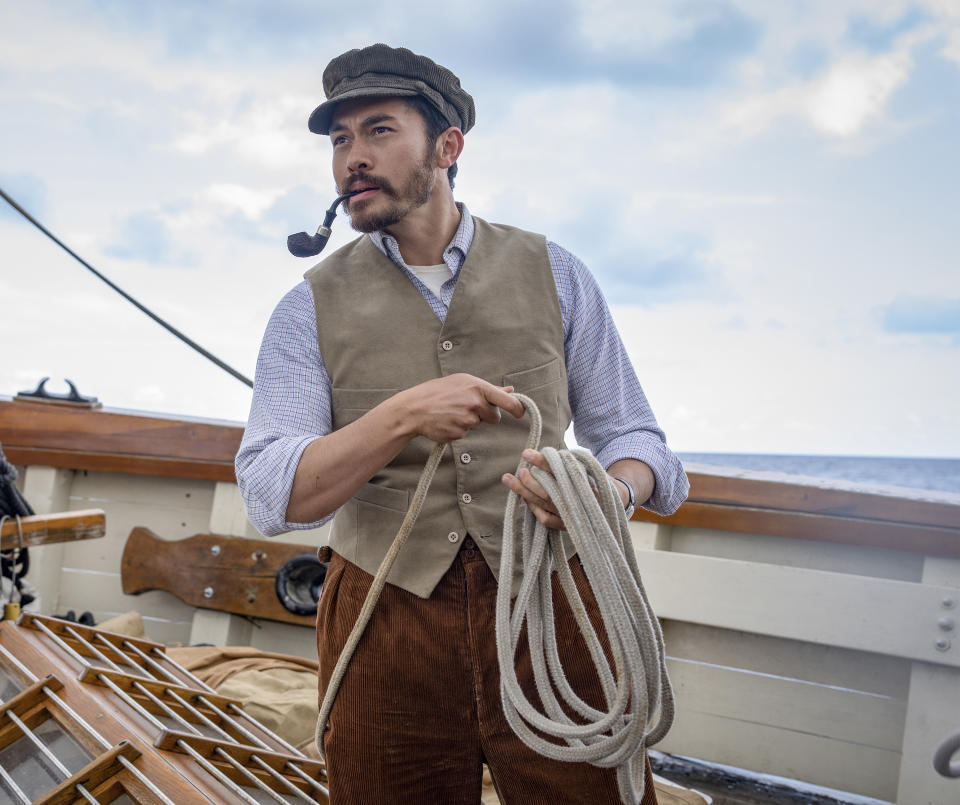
(417, 332)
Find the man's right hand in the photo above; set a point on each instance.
(448, 407)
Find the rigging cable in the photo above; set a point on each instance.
(169, 327)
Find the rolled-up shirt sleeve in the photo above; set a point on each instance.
(290, 409)
(611, 415)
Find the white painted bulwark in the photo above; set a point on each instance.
(835, 664)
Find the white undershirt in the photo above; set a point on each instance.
(432, 276)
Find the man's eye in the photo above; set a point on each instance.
(380, 129)
(339, 140)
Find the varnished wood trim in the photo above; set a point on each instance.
(128, 682)
(169, 740)
(101, 769)
(59, 627)
(129, 464)
(44, 529)
(114, 440)
(824, 496)
(805, 525)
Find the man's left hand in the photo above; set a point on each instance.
(534, 495)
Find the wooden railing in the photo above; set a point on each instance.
(113, 440)
(749, 502)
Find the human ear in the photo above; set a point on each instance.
(449, 147)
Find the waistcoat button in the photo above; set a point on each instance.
(466, 458)
(447, 346)
(453, 536)
(466, 497)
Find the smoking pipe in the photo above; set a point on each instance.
(304, 245)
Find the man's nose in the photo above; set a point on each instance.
(359, 159)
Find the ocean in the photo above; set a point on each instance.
(940, 474)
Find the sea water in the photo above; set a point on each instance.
(941, 474)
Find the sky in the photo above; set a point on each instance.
(766, 193)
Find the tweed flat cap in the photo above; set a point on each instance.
(382, 71)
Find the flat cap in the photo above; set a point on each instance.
(382, 71)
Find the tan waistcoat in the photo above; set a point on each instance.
(378, 335)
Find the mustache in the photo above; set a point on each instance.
(359, 180)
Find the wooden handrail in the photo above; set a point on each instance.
(45, 529)
(735, 500)
(113, 440)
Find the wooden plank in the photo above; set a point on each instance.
(791, 704)
(121, 441)
(804, 525)
(822, 496)
(882, 616)
(809, 662)
(239, 574)
(134, 464)
(860, 560)
(47, 529)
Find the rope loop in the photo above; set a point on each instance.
(637, 690)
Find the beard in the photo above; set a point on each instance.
(416, 192)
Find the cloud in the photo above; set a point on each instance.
(839, 102)
(676, 267)
(925, 316)
(146, 236)
(880, 35)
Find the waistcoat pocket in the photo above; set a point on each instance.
(529, 379)
(542, 384)
(380, 513)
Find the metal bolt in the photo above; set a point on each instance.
(948, 603)
(258, 556)
(945, 624)
(942, 644)
(208, 592)
(215, 550)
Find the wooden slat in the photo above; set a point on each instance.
(882, 616)
(59, 627)
(30, 697)
(168, 739)
(117, 441)
(45, 529)
(806, 525)
(92, 775)
(128, 682)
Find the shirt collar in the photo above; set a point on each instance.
(455, 253)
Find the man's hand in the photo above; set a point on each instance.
(449, 407)
(536, 497)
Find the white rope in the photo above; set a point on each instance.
(639, 698)
(637, 690)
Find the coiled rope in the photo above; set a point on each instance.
(637, 689)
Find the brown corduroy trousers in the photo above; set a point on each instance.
(419, 709)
